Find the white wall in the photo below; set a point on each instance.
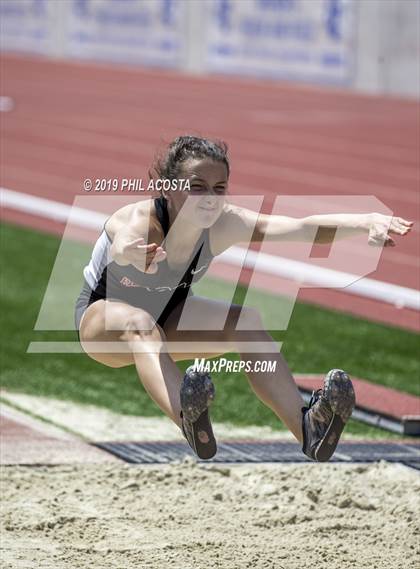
(388, 47)
(366, 45)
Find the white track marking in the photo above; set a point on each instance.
(305, 272)
(99, 424)
(50, 209)
(342, 456)
(6, 104)
(281, 266)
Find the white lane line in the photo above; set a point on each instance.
(311, 274)
(280, 266)
(50, 209)
(344, 457)
(6, 104)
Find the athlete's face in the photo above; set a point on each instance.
(208, 181)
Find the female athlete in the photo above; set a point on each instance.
(139, 279)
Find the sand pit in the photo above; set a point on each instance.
(189, 516)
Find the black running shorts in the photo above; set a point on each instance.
(88, 296)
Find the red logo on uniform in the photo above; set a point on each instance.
(125, 281)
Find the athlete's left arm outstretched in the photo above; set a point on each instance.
(376, 225)
(314, 228)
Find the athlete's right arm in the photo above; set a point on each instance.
(129, 244)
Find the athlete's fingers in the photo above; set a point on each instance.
(157, 259)
(397, 227)
(152, 268)
(160, 253)
(148, 247)
(136, 242)
(142, 259)
(158, 256)
(152, 261)
(143, 250)
(140, 244)
(401, 223)
(405, 221)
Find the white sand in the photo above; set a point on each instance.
(98, 424)
(189, 516)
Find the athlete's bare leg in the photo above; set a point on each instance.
(156, 365)
(156, 369)
(276, 389)
(133, 329)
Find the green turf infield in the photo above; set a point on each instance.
(315, 341)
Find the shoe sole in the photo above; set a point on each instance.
(202, 429)
(196, 395)
(339, 392)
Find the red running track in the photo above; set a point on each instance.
(73, 121)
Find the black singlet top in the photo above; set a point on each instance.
(107, 279)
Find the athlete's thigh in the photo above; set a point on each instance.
(102, 325)
(218, 317)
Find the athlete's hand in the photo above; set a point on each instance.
(379, 227)
(144, 257)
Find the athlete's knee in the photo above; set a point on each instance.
(141, 325)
